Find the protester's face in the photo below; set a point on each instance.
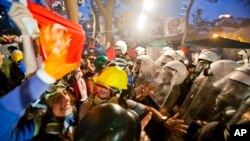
(61, 104)
(118, 52)
(102, 94)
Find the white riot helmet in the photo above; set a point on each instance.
(140, 51)
(234, 88)
(147, 64)
(181, 54)
(173, 54)
(205, 58)
(208, 55)
(221, 68)
(241, 75)
(167, 56)
(122, 46)
(166, 48)
(180, 71)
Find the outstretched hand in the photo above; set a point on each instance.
(144, 123)
(143, 91)
(176, 126)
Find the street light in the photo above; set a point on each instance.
(141, 21)
(148, 5)
(142, 18)
(88, 26)
(140, 25)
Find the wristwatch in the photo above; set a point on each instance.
(164, 119)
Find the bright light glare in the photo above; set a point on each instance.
(215, 35)
(225, 16)
(141, 21)
(88, 26)
(142, 18)
(140, 25)
(148, 5)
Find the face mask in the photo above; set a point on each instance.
(99, 101)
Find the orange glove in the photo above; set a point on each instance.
(55, 41)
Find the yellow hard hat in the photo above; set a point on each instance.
(112, 77)
(16, 56)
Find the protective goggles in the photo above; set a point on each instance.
(52, 94)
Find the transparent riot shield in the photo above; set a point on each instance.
(172, 98)
(143, 70)
(164, 83)
(242, 113)
(200, 100)
(234, 90)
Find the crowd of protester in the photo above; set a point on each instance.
(124, 99)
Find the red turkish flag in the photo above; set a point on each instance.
(77, 35)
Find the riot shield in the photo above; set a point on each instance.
(200, 100)
(164, 83)
(172, 99)
(242, 114)
(234, 89)
(143, 70)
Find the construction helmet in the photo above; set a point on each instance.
(99, 62)
(16, 56)
(113, 77)
(179, 68)
(208, 55)
(122, 46)
(140, 51)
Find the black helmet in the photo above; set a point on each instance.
(109, 122)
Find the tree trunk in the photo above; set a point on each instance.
(184, 38)
(108, 28)
(96, 27)
(72, 10)
(107, 11)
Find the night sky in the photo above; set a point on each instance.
(212, 10)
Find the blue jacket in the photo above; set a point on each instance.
(12, 108)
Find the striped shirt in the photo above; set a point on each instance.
(121, 63)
